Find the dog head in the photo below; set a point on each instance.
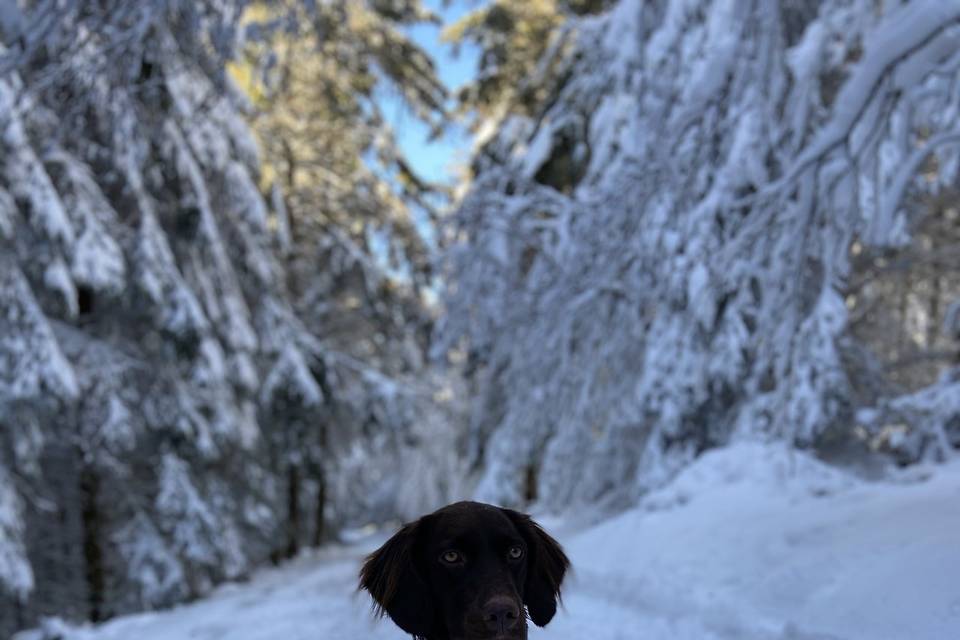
(469, 571)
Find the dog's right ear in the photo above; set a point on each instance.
(547, 564)
(391, 576)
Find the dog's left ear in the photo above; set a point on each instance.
(394, 581)
(546, 566)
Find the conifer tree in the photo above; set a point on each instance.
(174, 408)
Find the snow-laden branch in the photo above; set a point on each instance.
(904, 31)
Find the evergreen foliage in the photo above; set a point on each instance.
(655, 255)
(192, 375)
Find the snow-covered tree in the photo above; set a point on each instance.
(652, 261)
(315, 74)
(513, 38)
(162, 368)
(360, 250)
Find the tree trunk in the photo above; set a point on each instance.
(320, 531)
(92, 552)
(293, 511)
(933, 312)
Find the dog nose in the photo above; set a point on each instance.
(500, 614)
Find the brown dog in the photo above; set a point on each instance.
(466, 572)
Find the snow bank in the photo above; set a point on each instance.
(757, 541)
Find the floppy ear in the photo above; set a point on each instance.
(390, 575)
(546, 566)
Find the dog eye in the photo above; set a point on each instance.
(451, 557)
(515, 553)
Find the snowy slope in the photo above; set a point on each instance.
(750, 543)
(754, 542)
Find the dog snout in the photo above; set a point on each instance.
(500, 614)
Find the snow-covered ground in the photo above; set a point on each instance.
(750, 543)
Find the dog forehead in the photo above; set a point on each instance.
(468, 517)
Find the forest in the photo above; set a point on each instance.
(239, 323)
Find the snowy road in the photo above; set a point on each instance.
(748, 544)
(314, 600)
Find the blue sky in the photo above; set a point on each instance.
(435, 160)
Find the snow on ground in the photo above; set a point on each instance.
(750, 543)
